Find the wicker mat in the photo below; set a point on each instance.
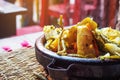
(21, 65)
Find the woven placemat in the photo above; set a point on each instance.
(21, 65)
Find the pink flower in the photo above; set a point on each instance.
(25, 44)
(7, 48)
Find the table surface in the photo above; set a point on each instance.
(21, 65)
(15, 42)
(6, 7)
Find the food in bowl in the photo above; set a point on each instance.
(84, 40)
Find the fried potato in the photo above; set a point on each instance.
(85, 40)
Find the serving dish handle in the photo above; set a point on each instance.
(59, 70)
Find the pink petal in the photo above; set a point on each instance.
(7, 48)
(25, 44)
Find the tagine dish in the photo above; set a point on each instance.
(84, 40)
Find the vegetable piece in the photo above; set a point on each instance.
(89, 20)
(51, 32)
(113, 48)
(60, 22)
(111, 34)
(85, 39)
(109, 57)
(47, 44)
(54, 45)
(67, 39)
(61, 45)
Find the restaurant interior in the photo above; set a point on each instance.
(22, 23)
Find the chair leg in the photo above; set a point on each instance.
(44, 18)
(77, 13)
(112, 13)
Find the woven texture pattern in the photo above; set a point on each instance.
(21, 65)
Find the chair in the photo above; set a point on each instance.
(87, 7)
(65, 8)
(73, 11)
(110, 13)
(84, 8)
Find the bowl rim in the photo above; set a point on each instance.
(39, 45)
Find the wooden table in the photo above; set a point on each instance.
(8, 12)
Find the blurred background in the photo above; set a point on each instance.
(21, 17)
